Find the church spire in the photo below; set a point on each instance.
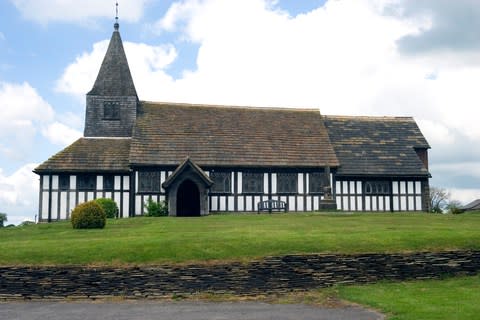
(114, 77)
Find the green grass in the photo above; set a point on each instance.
(235, 237)
(453, 298)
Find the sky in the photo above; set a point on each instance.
(418, 58)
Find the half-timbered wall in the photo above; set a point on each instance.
(237, 199)
(379, 195)
(60, 194)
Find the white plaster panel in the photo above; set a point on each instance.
(214, 203)
(359, 187)
(403, 203)
(44, 205)
(380, 203)
(108, 195)
(63, 205)
(300, 204)
(249, 203)
(138, 205)
(162, 180)
(309, 203)
(126, 202)
(387, 203)
(239, 183)
(81, 197)
(73, 182)
(231, 203)
(240, 205)
(265, 183)
(99, 182)
(291, 203)
(410, 187)
(418, 203)
(54, 205)
(126, 182)
(411, 203)
(344, 187)
(307, 178)
(418, 187)
(395, 187)
(338, 189)
(223, 204)
(352, 187)
(368, 201)
(274, 183)
(316, 206)
(374, 203)
(345, 203)
(117, 198)
(118, 181)
(403, 187)
(396, 203)
(339, 202)
(90, 196)
(136, 181)
(46, 182)
(73, 202)
(359, 204)
(353, 203)
(55, 182)
(300, 183)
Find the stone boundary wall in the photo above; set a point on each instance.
(269, 275)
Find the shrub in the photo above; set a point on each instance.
(156, 209)
(455, 207)
(109, 206)
(88, 215)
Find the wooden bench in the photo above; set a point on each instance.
(272, 205)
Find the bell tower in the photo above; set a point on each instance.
(112, 103)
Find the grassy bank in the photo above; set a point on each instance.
(235, 237)
(453, 298)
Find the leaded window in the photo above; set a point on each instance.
(377, 187)
(111, 110)
(287, 183)
(108, 182)
(222, 182)
(64, 182)
(317, 182)
(149, 181)
(252, 182)
(86, 182)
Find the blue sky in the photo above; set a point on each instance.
(352, 57)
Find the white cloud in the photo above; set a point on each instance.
(23, 111)
(60, 134)
(19, 194)
(343, 57)
(83, 12)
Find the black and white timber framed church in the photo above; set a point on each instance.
(204, 158)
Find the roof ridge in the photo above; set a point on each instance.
(237, 107)
(369, 117)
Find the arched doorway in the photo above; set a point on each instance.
(188, 200)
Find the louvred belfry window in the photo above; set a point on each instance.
(111, 110)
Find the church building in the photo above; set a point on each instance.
(204, 159)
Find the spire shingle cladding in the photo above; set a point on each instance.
(377, 145)
(114, 78)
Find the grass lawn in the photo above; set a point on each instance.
(236, 237)
(453, 298)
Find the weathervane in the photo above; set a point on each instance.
(116, 25)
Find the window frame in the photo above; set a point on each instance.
(289, 184)
(248, 178)
(317, 179)
(226, 179)
(154, 185)
(82, 180)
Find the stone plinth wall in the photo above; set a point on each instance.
(269, 275)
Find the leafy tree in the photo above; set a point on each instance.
(439, 199)
(3, 218)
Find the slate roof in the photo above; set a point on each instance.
(377, 145)
(167, 133)
(90, 155)
(474, 205)
(114, 78)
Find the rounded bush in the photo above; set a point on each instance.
(109, 206)
(88, 215)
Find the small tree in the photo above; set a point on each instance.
(439, 199)
(455, 207)
(3, 218)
